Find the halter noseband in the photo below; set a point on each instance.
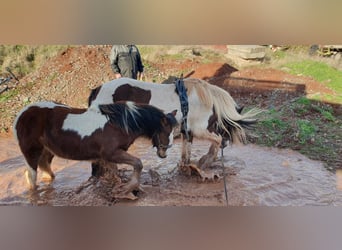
(160, 145)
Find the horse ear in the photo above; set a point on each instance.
(171, 118)
(164, 121)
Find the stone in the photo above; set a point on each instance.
(247, 51)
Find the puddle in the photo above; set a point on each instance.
(256, 176)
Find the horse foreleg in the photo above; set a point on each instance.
(208, 159)
(186, 151)
(124, 190)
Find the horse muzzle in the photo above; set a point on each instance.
(161, 153)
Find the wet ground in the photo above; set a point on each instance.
(255, 176)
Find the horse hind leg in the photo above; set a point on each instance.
(31, 177)
(44, 164)
(209, 158)
(32, 156)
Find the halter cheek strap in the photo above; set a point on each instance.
(160, 145)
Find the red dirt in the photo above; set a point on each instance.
(69, 77)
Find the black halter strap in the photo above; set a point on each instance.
(183, 98)
(160, 145)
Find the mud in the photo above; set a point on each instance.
(255, 176)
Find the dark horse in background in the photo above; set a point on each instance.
(100, 133)
(213, 114)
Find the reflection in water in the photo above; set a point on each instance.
(256, 176)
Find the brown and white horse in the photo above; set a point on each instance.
(212, 113)
(100, 133)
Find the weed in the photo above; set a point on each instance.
(24, 59)
(279, 54)
(8, 94)
(326, 112)
(306, 130)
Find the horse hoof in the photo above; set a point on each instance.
(192, 169)
(126, 196)
(126, 191)
(48, 177)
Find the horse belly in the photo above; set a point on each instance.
(70, 147)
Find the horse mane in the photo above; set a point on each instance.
(133, 118)
(228, 118)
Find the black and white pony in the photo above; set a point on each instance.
(213, 114)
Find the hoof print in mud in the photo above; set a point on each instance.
(193, 170)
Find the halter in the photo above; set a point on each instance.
(160, 145)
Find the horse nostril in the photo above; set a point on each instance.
(161, 154)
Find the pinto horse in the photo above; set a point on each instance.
(100, 133)
(212, 112)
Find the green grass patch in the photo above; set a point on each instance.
(319, 71)
(279, 54)
(8, 95)
(311, 127)
(306, 130)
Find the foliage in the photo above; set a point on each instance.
(24, 59)
(305, 125)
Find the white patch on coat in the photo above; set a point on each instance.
(171, 138)
(167, 103)
(198, 115)
(86, 123)
(49, 105)
(31, 177)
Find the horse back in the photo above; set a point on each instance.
(33, 120)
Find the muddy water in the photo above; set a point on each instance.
(255, 176)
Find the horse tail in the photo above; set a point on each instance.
(229, 119)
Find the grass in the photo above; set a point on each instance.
(316, 67)
(306, 130)
(308, 126)
(8, 95)
(297, 61)
(179, 53)
(24, 59)
(319, 71)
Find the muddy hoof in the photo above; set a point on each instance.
(127, 191)
(126, 196)
(192, 169)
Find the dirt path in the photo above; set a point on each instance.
(256, 176)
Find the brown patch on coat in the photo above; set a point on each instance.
(127, 92)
